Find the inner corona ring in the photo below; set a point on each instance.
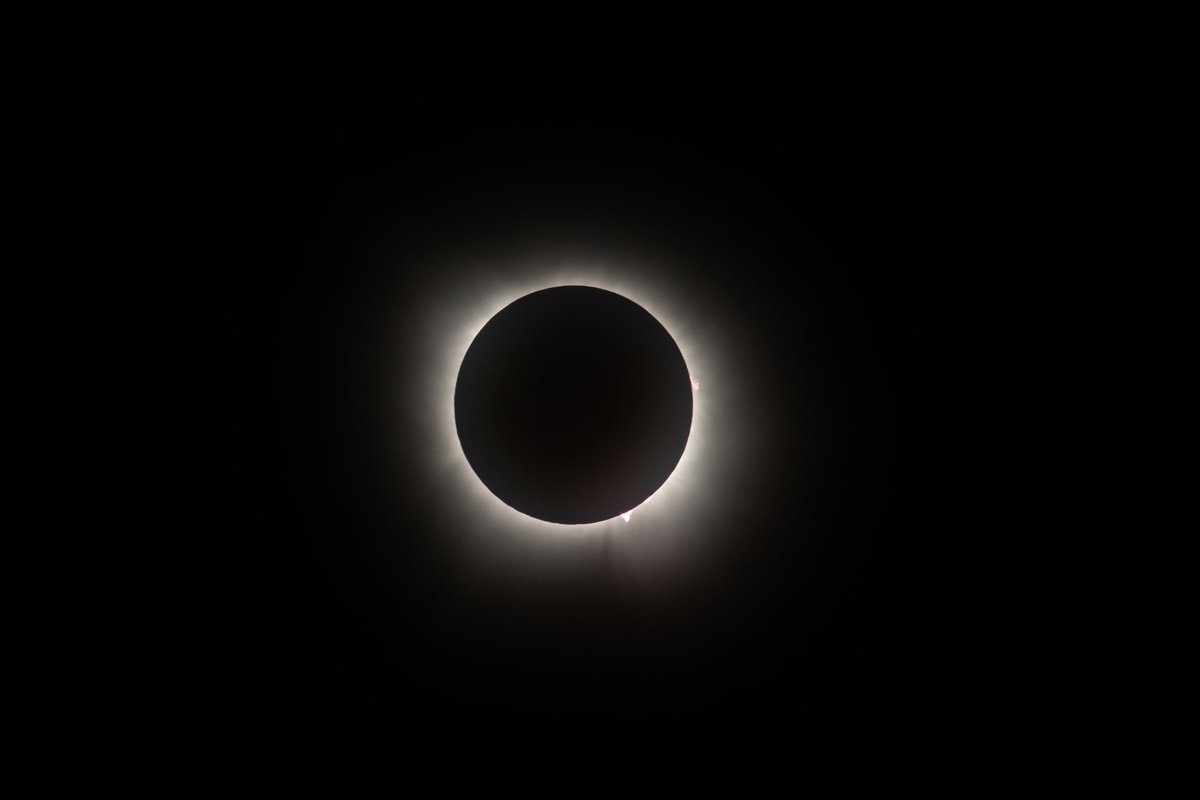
(573, 405)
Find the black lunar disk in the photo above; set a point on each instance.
(573, 404)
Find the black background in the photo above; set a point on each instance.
(268, 585)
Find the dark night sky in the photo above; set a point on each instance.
(272, 585)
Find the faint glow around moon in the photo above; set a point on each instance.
(456, 306)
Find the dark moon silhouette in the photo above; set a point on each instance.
(573, 405)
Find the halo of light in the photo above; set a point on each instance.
(685, 509)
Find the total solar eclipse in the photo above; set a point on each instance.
(573, 405)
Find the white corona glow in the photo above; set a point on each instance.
(455, 307)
